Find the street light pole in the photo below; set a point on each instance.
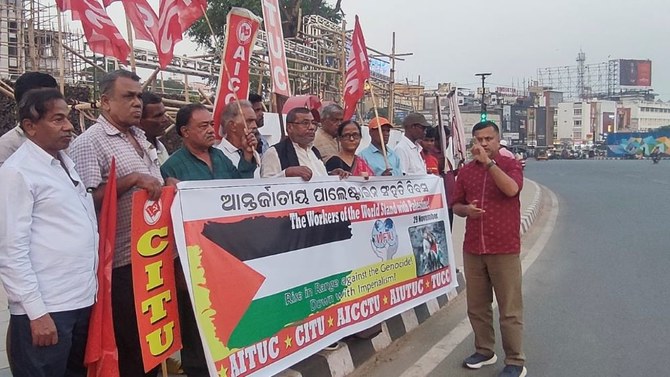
(483, 114)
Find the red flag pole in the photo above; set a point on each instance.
(227, 73)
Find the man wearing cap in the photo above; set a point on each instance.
(14, 138)
(408, 149)
(374, 154)
(326, 136)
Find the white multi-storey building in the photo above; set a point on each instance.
(577, 121)
(644, 115)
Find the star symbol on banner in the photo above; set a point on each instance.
(223, 372)
(288, 342)
(386, 300)
(427, 284)
(330, 322)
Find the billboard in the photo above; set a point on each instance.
(635, 72)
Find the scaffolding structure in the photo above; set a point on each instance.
(316, 57)
(31, 41)
(583, 81)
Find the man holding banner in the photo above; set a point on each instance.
(116, 135)
(199, 160)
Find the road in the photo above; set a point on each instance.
(595, 285)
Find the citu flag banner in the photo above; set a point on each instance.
(101, 356)
(241, 29)
(276, 48)
(102, 35)
(358, 70)
(154, 286)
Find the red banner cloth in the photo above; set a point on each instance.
(358, 70)
(276, 48)
(101, 34)
(101, 356)
(241, 29)
(154, 287)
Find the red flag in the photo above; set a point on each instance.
(169, 30)
(102, 357)
(141, 16)
(101, 34)
(242, 26)
(189, 11)
(276, 49)
(64, 5)
(358, 70)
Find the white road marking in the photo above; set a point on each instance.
(442, 349)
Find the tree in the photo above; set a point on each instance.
(217, 11)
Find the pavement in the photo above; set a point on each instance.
(353, 352)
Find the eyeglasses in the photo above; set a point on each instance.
(350, 136)
(307, 123)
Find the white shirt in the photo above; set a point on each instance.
(411, 161)
(10, 142)
(271, 166)
(233, 153)
(48, 234)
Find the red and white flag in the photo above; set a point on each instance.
(190, 11)
(241, 29)
(174, 18)
(276, 49)
(457, 129)
(101, 34)
(358, 70)
(141, 16)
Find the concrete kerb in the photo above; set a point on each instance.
(353, 352)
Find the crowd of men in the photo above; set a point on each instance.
(54, 184)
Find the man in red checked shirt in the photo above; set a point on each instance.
(487, 195)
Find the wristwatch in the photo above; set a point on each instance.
(490, 164)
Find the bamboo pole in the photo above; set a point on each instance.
(6, 92)
(80, 56)
(202, 93)
(379, 128)
(152, 78)
(131, 45)
(61, 60)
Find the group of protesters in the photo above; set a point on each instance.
(53, 185)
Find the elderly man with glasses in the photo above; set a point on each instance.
(296, 156)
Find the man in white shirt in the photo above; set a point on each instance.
(408, 149)
(12, 139)
(234, 125)
(48, 244)
(296, 156)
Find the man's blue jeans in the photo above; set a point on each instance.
(64, 359)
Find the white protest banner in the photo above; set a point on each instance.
(278, 269)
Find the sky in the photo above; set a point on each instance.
(453, 40)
